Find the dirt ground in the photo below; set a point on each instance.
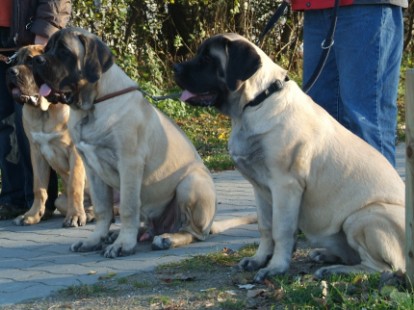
(197, 284)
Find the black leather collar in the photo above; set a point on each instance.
(274, 87)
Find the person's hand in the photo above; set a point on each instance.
(40, 40)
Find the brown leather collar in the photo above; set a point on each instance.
(116, 94)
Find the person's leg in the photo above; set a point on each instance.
(12, 182)
(368, 46)
(24, 155)
(325, 91)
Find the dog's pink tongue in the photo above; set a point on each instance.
(16, 92)
(185, 95)
(45, 90)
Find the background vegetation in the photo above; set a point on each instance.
(149, 36)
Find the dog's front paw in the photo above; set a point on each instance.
(83, 246)
(117, 250)
(161, 243)
(74, 220)
(23, 220)
(111, 237)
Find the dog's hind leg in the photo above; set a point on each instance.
(196, 203)
(334, 249)
(376, 233)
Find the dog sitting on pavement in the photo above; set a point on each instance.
(308, 171)
(128, 144)
(51, 147)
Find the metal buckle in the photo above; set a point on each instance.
(11, 58)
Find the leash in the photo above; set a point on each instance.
(6, 59)
(173, 96)
(134, 88)
(325, 45)
(326, 48)
(280, 11)
(116, 94)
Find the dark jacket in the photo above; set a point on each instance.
(35, 17)
(299, 5)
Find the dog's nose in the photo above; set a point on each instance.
(40, 60)
(13, 71)
(178, 69)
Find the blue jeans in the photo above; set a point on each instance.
(15, 163)
(359, 83)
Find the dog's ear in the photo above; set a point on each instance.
(243, 62)
(98, 58)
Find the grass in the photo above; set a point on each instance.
(209, 132)
(212, 282)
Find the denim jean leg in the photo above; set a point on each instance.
(325, 91)
(24, 150)
(12, 175)
(365, 58)
(369, 51)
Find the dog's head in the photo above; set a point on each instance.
(220, 71)
(20, 80)
(72, 64)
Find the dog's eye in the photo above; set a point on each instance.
(29, 61)
(63, 52)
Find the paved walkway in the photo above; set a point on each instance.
(35, 260)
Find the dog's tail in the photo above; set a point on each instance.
(222, 225)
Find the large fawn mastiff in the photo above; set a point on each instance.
(308, 171)
(127, 144)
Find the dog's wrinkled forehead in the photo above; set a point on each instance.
(64, 44)
(26, 54)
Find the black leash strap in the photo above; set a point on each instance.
(273, 20)
(326, 48)
(325, 45)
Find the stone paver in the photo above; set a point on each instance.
(36, 260)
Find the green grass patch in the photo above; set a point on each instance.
(209, 262)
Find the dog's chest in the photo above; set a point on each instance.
(51, 144)
(95, 143)
(248, 155)
(49, 135)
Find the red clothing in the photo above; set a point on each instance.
(5, 13)
(301, 5)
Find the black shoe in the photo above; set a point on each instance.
(9, 211)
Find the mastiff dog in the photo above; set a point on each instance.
(127, 144)
(308, 172)
(46, 127)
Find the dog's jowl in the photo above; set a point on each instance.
(308, 171)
